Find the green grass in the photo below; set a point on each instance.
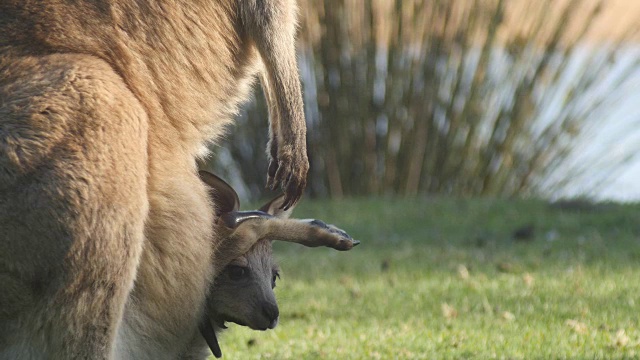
(442, 278)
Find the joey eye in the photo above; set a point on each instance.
(276, 275)
(237, 272)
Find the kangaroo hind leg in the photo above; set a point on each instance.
(73, 152)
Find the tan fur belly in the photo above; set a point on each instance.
(176, 266)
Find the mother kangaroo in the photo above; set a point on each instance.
(104, 107)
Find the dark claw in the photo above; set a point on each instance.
(293, 193)
(340, 232)
(319, 223)
(286, 205)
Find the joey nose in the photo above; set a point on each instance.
(272, 313)
(273, 324)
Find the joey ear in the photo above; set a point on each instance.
(224, 197)
(273, 207)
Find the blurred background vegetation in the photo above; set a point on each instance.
(460, 97)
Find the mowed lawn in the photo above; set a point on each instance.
(439, 278)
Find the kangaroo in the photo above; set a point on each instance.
(245, 270)
(243, 293)
(104, 107)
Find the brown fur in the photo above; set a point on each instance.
(104, 106)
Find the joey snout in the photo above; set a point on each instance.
(271, 313)
(263, 317)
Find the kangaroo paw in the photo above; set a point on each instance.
(290, 173)
(343, 240)
(344, 244)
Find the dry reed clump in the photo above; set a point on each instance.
(463, 97)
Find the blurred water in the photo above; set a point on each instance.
(605, 159)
